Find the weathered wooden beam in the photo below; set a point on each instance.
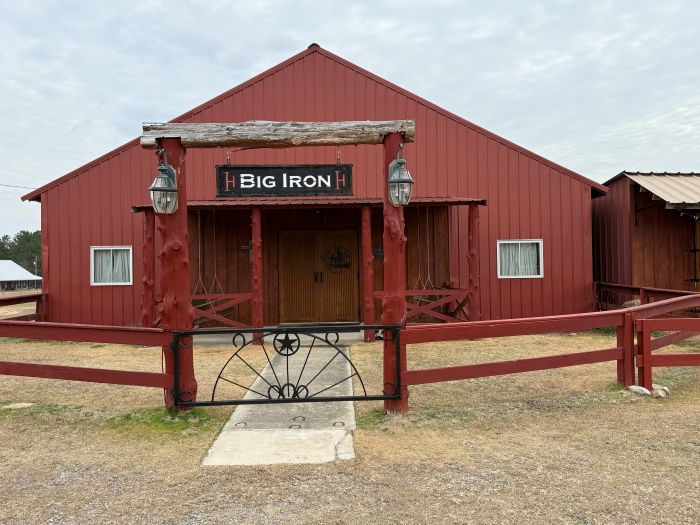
(270, 134)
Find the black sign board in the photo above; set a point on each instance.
(285, 181)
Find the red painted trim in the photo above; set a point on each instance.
(456, 373)
(92, 375)
(86, 333)
(684, 324)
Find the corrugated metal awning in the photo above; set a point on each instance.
(677, 189)
(318, 202)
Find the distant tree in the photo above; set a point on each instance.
(24, 248)
(5, 247)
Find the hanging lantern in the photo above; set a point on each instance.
(164, 190)
(400, 181)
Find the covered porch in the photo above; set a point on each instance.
(263, 262)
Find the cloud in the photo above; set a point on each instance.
(595, 86)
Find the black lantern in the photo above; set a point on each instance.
(400, 181)
(164, 190)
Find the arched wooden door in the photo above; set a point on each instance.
(318, 276)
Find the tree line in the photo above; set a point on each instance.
(23, 248)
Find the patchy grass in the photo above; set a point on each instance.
(159, 421)
(558, 446)
(14, 340)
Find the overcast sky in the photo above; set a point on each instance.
(597, 86)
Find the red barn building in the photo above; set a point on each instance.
(646, 231)
(534, 252)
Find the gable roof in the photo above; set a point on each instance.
(315, 48)
(11, 271)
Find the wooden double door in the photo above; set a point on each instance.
(318, 276)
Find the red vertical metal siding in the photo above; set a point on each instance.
(611, 230)
(528, 197)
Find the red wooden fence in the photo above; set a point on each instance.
(623, 320)
(646, 361)
(37, 298)
(92, 334)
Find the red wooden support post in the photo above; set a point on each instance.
(621, 362)
(175, 308)
(149, 268)
(628, 352)
(394, 301)
(367, 272)
(644, 345)
(256, 269)
(473, 264)
(643, 296)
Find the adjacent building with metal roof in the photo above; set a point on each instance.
(645, 230)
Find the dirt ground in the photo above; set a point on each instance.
(559, 446)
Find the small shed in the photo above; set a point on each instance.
(14, 277)
(645, 231)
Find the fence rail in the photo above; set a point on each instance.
(91, 334)
(37, 298)
(646, 361)
(623, 320)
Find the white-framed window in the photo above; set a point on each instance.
(520, 259)
(110, 266)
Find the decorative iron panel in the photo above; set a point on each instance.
(292, 365)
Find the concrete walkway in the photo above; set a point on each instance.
(291, 433)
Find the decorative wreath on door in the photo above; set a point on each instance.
(338, 259)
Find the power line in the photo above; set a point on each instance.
(43, 146)
(13, 186)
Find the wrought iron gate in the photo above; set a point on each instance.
(291, 364)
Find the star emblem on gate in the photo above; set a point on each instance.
(286, 345)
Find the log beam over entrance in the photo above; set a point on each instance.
(269, 134)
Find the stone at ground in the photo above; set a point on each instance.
(634, 302)
(658, 393)
(654, 386)
(639, 390)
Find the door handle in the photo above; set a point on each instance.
(315, 277)
(320, 274)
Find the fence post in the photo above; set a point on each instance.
(644, 345)
(628, 350)
(621, 362)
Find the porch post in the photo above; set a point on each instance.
(394, 301)
(256, 268)
(149, 268)
(473, 298)
(367, 272)
(175, 308)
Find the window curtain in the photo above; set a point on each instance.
(120, 266)
(519, 259)
(111, 266)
